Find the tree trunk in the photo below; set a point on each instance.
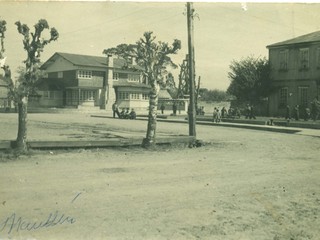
(150, 139)
(21, 142)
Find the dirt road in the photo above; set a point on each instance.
(242, 185)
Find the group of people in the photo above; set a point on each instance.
(125, 112)
(250, 112)
(307, 113)
(216, 115)
(200, 111)
(224, 113)
(233, 113)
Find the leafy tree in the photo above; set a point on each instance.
(33, 44)
(154, 58)
(21, 72)
(250, 79)
(171, 85)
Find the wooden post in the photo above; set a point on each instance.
(79, 92)
(191, 109)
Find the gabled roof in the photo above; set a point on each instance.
(90, 61)
(78, 60)
(308, 38)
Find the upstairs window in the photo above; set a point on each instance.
(133, 78)
(145, 96)
(115, 76)
(135, 96)
(123, 96)
(304, 58)
(84, 74)
(283, 59)
(60, 74)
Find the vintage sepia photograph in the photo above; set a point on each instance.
(159, 120)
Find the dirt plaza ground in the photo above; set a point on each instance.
(243, 184)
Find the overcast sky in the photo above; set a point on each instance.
(223, 32)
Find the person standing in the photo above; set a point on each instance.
(315, 108)
(296, 113)
(288, 113)
(252, 114)
(174, 108)
(307, 114)
(223, 112)
(115, 109)
(214, 115)
(248, 111)
(162, 107)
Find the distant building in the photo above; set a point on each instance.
(295, 72)
(78, 81)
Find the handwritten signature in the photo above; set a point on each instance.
(18, 223)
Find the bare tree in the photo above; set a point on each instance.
(154, 58)
(33, 44)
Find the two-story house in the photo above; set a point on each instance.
(77, 81)
(295, 73)
(130, 89)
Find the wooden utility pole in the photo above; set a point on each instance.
(191, 109)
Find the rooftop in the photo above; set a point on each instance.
(307, 38)
(87, 60)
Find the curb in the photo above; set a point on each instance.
(222, 124)
(99, 143)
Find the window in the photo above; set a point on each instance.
(115, 76)
(87, 95)
(284, 58)
(60, 74)
(304, 58)
(303, 96)
(145, 96)
(123, 95)
(133, 78)
(84, 74)
(283, 97)
(135, 96)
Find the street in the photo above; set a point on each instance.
(243, 184)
